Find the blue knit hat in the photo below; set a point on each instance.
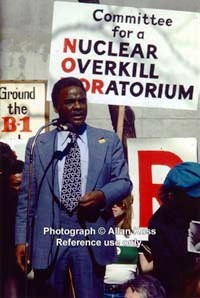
(186, 177)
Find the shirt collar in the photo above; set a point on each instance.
(63, 135)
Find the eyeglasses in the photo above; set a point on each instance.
(120, 204)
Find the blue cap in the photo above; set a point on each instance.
(186, 177)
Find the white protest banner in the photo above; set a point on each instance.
(127, 56)
(150, 159)
(22, 108)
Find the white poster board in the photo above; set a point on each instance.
(127, 56)
(22, 108)
(150, 160)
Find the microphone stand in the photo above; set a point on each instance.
(54, 122)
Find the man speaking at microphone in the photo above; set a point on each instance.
(78, 173)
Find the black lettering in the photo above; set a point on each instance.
(112, 87)
(134, 87)
(173, 91)
(82, 68)
(110, 68)
(150, 90)
(185, 93)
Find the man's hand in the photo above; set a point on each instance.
(94, 198)
(20, 252)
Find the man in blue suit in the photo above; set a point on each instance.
(71, 235)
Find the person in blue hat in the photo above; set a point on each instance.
(180, 195)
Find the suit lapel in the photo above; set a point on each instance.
(97, 146)
(46, 147)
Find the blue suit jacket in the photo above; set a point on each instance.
(107, 171)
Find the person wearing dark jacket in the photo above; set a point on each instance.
(180, 195)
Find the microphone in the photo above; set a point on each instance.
(61, 125)
(55, 122)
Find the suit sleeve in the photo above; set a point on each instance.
(21, 213)
(119, 184)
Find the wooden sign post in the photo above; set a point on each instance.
(120, 122)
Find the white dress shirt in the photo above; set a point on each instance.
(62, 140)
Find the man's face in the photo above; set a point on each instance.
(118, 211)
(72, 105)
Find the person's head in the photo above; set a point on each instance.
(183, 178)
(181, 186)
(122, 212)
(70, 101)
(15, 178)
(144, 286)
(7, 155)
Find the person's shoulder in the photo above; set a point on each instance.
(163, 217)
(101, 131)
(43, 136)
(157, 217)
(48, 134)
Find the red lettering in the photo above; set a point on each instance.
(95, 86)
(26, 124)
(86, 84)
(148, 190)
(9, 124)
(68, 64)
(69, 44)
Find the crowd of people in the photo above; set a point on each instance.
(80, 182)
